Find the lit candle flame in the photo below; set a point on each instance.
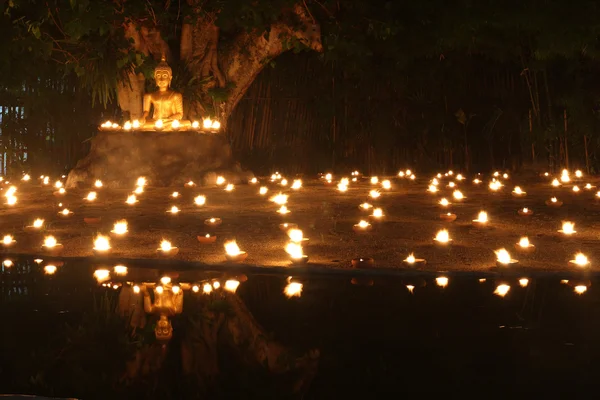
(207, 288)
(580, 289)
(131, 199)
(231, 248)
(207, 123)
(220, 180)
(102, 274)
(91, 196)
(7, 240)
(442, 236)
(297, 184)
(341, 187)
(50, 242)
(229, 187)
(386, 184)
(120, 227)
(410, 288)
(374, 180)
(503, 257)
(174, 210)
(263, 190)
(518, 190)
(581, 260)
(101, 243)
(175, 124)
(374, 194)
(482, 217)
(295, 235)
(377, 213)
(410, 259)
(523, 282)
(50, 269)
(578, 174)
(98, 183)
(555, 183)
(176, 289)
(441, 281)
(283, 210)
(524, 242)
(158, 124)
(365, 206)
(294, 250)
(141, 181)
(279, 199)
(11, 200)
(444, 202)
(432, 188)
(568, 228)
(139, 190)
(200, 200)
(58, 184)
(38, 223)
(165, 246)
(120, 270)
(363, 224)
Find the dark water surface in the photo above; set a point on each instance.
(375, 339)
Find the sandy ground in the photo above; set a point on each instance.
(326, 216)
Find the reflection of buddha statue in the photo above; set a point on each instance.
(166, 304)
(167, 104)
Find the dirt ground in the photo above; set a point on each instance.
(326, 216)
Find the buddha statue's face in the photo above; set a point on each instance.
(163, 78)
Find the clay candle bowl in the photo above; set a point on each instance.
(525, 212)
(503, 258)
(287, 226)
(524, 246)
(213, 222)
(517, 192)
(554, 202)
(412, 261)
(166, 250)
(51, 246)
(37, 226)
(362, 227)
(448, 217)
(206, 238)
(580, 261)
(92, 220)
(363, 262)
(233, 252)
(442, 238)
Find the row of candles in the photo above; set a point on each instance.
(207, 124)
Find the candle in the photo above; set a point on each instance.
(448, 217)
(432, 189)
(362, 227)
(98, 183)
(91, 196)
(283, 210)
(295, 235)
(233, 252)
(166, 249)
(263, 190)
(284, 182)
(442, 237)
(580, 260)
(374, 180)
(206, 238)
(120, 227)
(287, 225)
(296, 253)
(444, 202)
(220, 180)
(554, 202)
(37, 225)
(525, 245)
(200, 200)
(135, 124)
(365, 206)
(279, 199)
(568, 228)
(175, 125)
(158, 125)
(341, 187)
(525, 211)
(131, 199)
(411, 260)
(213, 222)
(451, 185)
(555, 182)
(482, 219)
(297, 184)
(503, 258)
(377, 213)
(8, 240)
(101, 244)
(374, 194)
(173, 210)
(231, 285)
(175, 195)
(518, 192)
(386, 184)
(363, 262)
(139, 190)
(502, 290)
(50, 269)
(229, 187)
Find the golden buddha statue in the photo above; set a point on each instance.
(167, 104)
(167, 303)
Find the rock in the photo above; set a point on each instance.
(164, 158)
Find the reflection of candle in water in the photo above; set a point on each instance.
(231, 285)
(293, 289)
(120, 270)
(523, 282)
(502, 290)
(50, 269)
(580, 289)
(441, 281)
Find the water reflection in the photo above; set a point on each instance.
(185, 334)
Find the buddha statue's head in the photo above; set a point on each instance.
(163, 75)
(163, 330)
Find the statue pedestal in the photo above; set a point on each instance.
(164, 158)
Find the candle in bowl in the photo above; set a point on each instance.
(263, 190)
(98, 183)
(206, 238)
(362, 227)
(119, 228)
(296, 235)
(412, 261)
(166, 249)
(554, 202)
(101, 245)
(386, 184)
(8, 240)
(589, 186)
(481, 221)
(363, 262)
(365, 206)
(131, 199)
(503, 258)
(377, 213)
(451, 185)
(525, 212)
(60, 192)
(65, 213)
(432, 189)
(576, 189)
(524, 245)
(233, 252)
(296, 253)
(518, 192)
(444, 202)
(287, 225)
(52, 246)
(37, 225)
(283, 210)
(448, 217)
(442, 238)
(91, 196)
(580, 260)
(568, 228)
(374, 194)
(174, 210)
(457, 194)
